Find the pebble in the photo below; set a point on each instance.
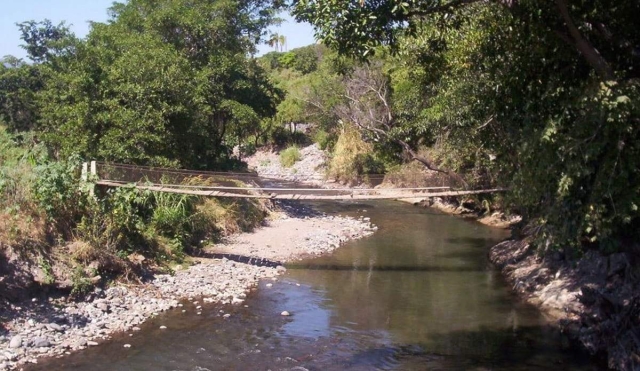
(16, 342)
(55, 327)
(163, 327)
(285, 313)
(41, 342)
(127, 345)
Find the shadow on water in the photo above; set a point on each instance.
(382, 268)
(477, 242)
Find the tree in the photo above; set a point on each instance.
(283, 42)
(274, 41)
(19, 83)
(602, 34)
(162, 85)
(542, 97)
(368, 105)
(43, 40)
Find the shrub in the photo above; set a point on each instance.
(325, 140)
(281, 136)
(352, 157)
(56, 190)
(414, 174)
(290, 156)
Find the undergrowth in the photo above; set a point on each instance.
(290, 156)
(353, 158)
(46, 210)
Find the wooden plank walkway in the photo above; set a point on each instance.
(297, 193)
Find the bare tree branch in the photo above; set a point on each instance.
(491, 120)
(367, 106)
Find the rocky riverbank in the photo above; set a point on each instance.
(51, 327)
(310, 169)
(296, 233)
(467, 209)
(595, 299)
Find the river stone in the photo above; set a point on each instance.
(285, 313)
(55, 327)
(16, 342)
(41, 342)
(92, 343)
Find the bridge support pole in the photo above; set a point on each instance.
(88, 177)
(84, 175)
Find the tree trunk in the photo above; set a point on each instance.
(588, 51)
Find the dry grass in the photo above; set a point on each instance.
(220, 218)
(350, 150)
(290, 156)
(414, 174)
(22, 230)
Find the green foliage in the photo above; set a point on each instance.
(47, 270)
(81, 283)
(511, 94)
(307, 58)
(138, 91)
(290, 156)
(57, 189)
(44, 41)
(325, 140)
(287, 60)
(16, 176)
(19, 83)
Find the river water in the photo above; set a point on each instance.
(419, 294)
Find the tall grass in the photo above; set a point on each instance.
(21, 221)
(290, 156)
(352, 157)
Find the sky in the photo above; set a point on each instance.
(77, 13)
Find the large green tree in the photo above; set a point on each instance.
(162, 82)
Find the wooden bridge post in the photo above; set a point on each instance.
(84, 175)
(88, 181)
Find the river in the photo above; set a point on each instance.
(419, 294)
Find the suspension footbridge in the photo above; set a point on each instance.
(247, 185)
